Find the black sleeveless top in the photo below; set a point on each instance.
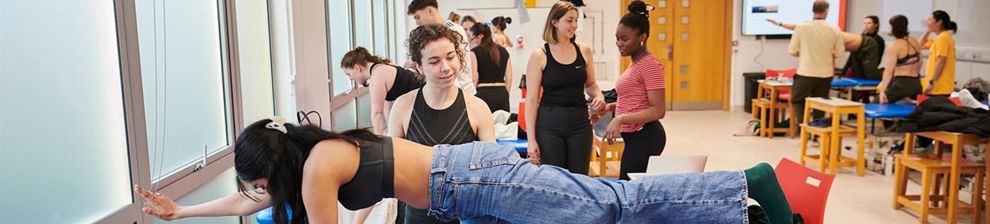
(490, 71)
(431, 127)
(405, 81)
(910, 58)
(374, 178)
(563, 85)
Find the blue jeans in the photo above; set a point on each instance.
(488, 183)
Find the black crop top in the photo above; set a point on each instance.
(490, 71)
(563, 85)
(374, 178)
(910, 58)
(405, 81)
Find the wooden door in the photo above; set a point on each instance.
(692, 38)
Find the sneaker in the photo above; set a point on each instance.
(825, 122)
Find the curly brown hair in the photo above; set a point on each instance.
(426, 34)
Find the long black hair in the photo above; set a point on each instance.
(485, 32)
(262, 152)
(637, 18)
(501, 22)
(947, 23)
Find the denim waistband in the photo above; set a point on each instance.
(439, 175)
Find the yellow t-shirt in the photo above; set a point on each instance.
(944, 45)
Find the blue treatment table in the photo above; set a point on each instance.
(520, 145)
(851, 85)
(886, 111)
(854, 82)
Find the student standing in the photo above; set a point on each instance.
(559, 120)
(940, 71)
(493, 66)
(817, 44)
(641, 104)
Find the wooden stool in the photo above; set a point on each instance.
(835, 108)
(762, 110)
(769, 93)
(933, 200)
(604, 154)
(957, 140)
(830, 157)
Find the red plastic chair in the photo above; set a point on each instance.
(806, 189)
(785, 95)
(521, 117)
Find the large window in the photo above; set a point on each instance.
(363, 28)
(183, 81)
(382, 10)
(63, 145)
(96, 96)
(339, 13)
(355, 23)
(255, 60)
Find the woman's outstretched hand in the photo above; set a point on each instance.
(159, 206)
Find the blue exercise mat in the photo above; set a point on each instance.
(520, 145)
(881, 111)
(853, 82)
(265, 216)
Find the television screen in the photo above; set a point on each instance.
(756, 12)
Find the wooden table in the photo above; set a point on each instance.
(837, 108)
(774, 88)
(957, 140)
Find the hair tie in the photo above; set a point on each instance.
(278, 123)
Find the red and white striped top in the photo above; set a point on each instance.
(644, 75)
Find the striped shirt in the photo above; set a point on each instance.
(644, 75)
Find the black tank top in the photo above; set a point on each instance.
(431, 127)
(490, 71)
(374, 178)
(405, 81)
(563, 85)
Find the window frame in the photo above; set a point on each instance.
(193, 175)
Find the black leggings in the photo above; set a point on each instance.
(565, 138)
(902, 87)
(640, 145)
(496, 97)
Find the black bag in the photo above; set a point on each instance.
(610, 96)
